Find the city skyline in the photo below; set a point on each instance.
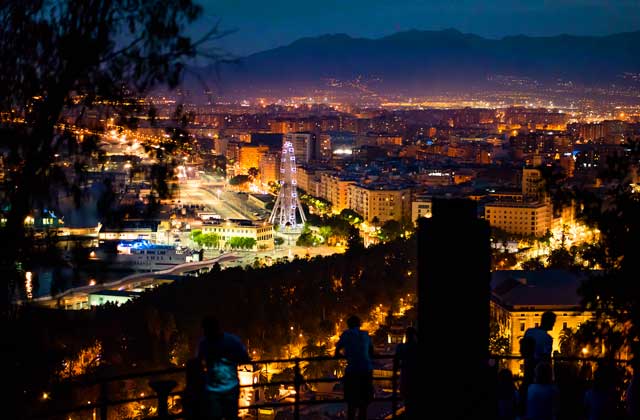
(455, 185)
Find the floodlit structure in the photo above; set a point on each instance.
(287, 203)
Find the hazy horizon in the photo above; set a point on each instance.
(261, 25)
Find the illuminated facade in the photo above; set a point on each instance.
(520, 298)
(532, 183)
(261, 233)
(420, 207)
(269, 167)
(250, 157)
(382, 202)
(335, 189)
(303, 145)
(287, 204)
(529, 219)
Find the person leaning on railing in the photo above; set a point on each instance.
(220, 354)
(357, 347)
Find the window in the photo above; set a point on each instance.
(522, 326)
(564, 325)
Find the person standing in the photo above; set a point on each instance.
(542, 395)
(357, 348)
(536, 347)
(220, 353)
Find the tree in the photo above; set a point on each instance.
(614, 294)
(253, 173)
(239, 180)
(351, 216)
(498, 340)
(354, 241)
(561, 258)
(305, 239)
(60, 59)
(238, 242)
(533, 264)
(391, 230)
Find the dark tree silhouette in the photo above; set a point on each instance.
(614, 210)
(60, 59)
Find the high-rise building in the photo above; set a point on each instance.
(303, 144)
(269, 167)
(323, 147)
(532, 183)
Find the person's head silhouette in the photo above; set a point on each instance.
(353, 322)
(547, 321)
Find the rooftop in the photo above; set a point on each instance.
(541, 288)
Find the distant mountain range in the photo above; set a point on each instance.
(424, 60)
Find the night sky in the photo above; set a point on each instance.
(264, 24)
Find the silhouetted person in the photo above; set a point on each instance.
(356, 346)
(600, 400)
(221, 353)
(536, 347)
(506, 396)
(542, 395)
(407, 358)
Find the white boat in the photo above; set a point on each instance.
(144, 255)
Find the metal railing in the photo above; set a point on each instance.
(164, 388)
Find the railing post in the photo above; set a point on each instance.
(297, 384)
(162, 389)
(103, 400)
(394, 386)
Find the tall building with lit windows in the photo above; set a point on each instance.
(303, 144)
(381, 202)
(521, 218)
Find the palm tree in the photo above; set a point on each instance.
(314, 369)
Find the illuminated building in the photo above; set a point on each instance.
(323, 147)
(262, 233)
(420, 207)
(520, 297)
(250, 156)
(287, 204)
(521, 218)
(335, 189)
(384, 202)
(116, 297)
(532, 183)
(608, 131)
(303, 145)
(133, 229)
(269, 167)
